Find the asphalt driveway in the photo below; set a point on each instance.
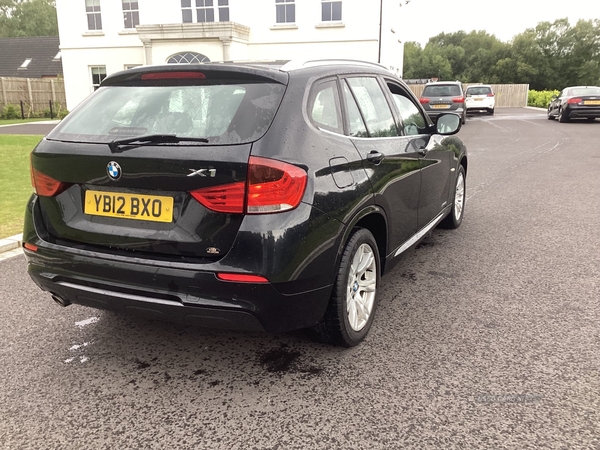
(29, 128)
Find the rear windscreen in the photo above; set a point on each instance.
(585, 91)
(479, 91)
(448, 90)
(222, 113)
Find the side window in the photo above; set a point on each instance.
(324, 108)
(374, 107)
(413, 121)
(356, 125)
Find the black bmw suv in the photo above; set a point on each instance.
(251, 197)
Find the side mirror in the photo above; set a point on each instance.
(448, 124)
(554, 97)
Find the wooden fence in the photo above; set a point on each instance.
(35, 93)
(507, 95)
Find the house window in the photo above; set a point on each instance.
(223, 10)
(98, 74)
(331, 11)
(204, 11)
(25, 63)
(285, 11)
(131, 13)
(187, 58)
(94, 18)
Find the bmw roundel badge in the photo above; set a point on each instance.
(114, 170)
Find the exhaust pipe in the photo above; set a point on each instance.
(61, 301)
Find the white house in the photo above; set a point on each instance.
(100, 37)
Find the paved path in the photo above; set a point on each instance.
(42, 128)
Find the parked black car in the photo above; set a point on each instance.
(241, 196)
(577, 102)
(444, 96)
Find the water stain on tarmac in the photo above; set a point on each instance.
(284, 360)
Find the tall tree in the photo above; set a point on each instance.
(28, 18)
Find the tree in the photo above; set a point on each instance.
(28, 18)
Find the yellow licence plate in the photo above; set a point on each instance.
(591, 102)
(153, 208)
(440, 106)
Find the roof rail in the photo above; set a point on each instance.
(299, 64)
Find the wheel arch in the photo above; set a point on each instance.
(373, 219)
(464, 162)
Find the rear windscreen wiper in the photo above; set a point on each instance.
(115, 146)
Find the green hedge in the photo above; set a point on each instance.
(540, 99)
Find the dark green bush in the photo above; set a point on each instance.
(11, 112)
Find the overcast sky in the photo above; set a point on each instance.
(502, 18)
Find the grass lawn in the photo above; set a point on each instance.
(15, 121)
(15, 181)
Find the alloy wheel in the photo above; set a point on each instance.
(362, 285)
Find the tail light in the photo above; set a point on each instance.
(272, 186)
(490, 95)
(575, 100)
(227, 198)
(424, 100)
(460, 99)
(46, 186)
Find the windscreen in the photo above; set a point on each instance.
(223, 113)
(447, 90)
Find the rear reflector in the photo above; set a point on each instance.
(226, 198)
(46, 186)
(33, 248)
(174, 76)
(424, 100)
(241, 278)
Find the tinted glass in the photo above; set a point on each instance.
(324, 111)
(443, 90)
(225, 114)
(414, 122)
(357, 126)
(585, 91)
(478, 90)
(374, 107)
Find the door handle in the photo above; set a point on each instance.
(375, 157)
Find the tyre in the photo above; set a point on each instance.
(454, 219)
(550, 116)
(464, 119)
(491, 112)
(562, 118)
(353, 301)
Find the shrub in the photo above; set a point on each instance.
(11, 112)
(540, 99)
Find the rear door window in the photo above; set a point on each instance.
(373, 106)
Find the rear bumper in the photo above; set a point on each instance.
(583, 112)
(186, 291)
(188, 296)
(435, 113)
